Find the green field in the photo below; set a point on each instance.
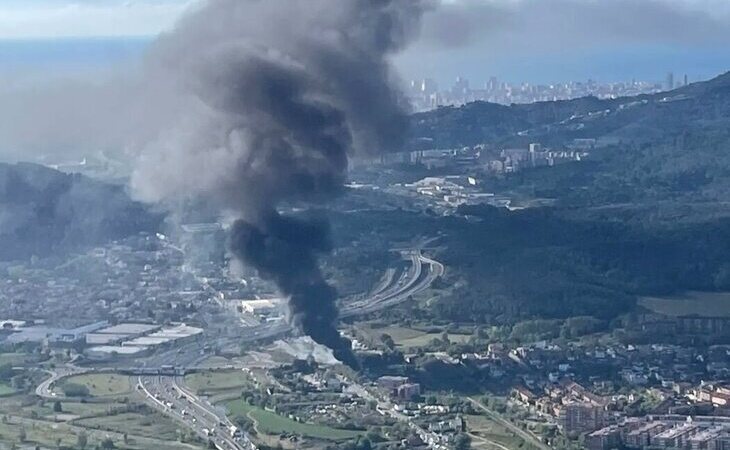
(270, 423)
(490, 435)
(101, 384)
(45, 409)
(153, 426)
(407, 338)
(13, 359)
(215, 361)
(49, 435)
(703, 304)
(203, 382)
(6, 390)
(43, 426)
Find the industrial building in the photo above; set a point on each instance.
(104, 352)
(260, 308)
(135, 340)
(177, 334)
(121, 332)
(664, 432)
(58, 336)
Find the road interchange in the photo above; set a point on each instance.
(167, 392)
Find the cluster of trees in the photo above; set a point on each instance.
(644, 216)
(75, 390)
(554, 263)
(49, 212)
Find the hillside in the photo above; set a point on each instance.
(671, 148)
(645, 118)
(646, 212)
(43, 211)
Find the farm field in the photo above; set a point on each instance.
(489, 435)
(406, 338)
(13, 359)
(54, 435)
(211, 382)
(703, 304)
(154, 426)
(271, 423)
(101, 385)
(5, 390)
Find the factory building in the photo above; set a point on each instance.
(260, 308)
(135, 340)
(54, 336)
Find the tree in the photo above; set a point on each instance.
(82, 440)
(107, 443)
(363, 444)
(57, 407)
(373, 436)
(388, 341)
(75, 390)
(722, 277)
(462, 442)
(6, 372)
(22, 435)
(18, 382)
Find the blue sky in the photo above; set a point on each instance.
(36, 19)
(517, 40)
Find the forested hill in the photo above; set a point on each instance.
(44, 211)
(644, 118)
(645, 214)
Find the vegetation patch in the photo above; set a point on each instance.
(153, 426)
(270, 423)
(489, 434)
(96, 385)
(6, 390)
(217, 381)
(703, 304)
(13, 359)
(406, 337)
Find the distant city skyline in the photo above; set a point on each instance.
(534, 41)
(427, 94)
(84, 53)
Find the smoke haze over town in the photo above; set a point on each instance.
(364, 224)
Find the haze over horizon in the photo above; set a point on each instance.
(516, 40)
(365, 224)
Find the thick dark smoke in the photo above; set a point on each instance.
(283, 92)
(284, 250)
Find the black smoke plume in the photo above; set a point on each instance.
(281, 94)
(285, 251)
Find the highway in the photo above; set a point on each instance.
(206, 417)
(413, 281)
(169, 395)
(45, 389)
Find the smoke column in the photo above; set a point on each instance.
(279, 94)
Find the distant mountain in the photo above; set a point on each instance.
(44, 212)
(672, 146)
(644, 118)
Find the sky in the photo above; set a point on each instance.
(539, 41)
